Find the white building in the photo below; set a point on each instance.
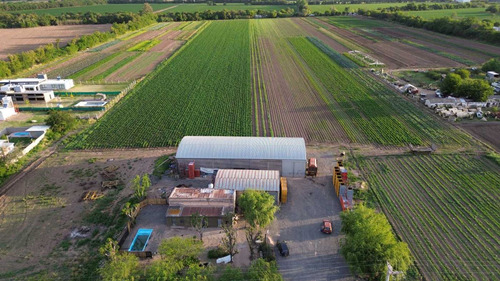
(492, 75)
(7, 109)
(286, 155)
(462, 1)
(6, 147)
(34, 89)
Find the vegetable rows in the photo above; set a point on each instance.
(202, 90)
(446, 208)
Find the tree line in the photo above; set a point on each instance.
(20, 6)
(22, 61)
(435, 6)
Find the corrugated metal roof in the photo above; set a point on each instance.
(203, 147)
(197, 193)
(247, 179)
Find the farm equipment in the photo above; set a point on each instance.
(91, 195)
(110, 184)
(312, 167)
(344, 193)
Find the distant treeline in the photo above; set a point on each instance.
(470, 28)
(22, 61)
(20, 6)
(435, 6)
(8, 20)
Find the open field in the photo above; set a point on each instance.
(446, 208)
(16, 40)
(403, 47)
(111, 61)
(488, 132)
(204, 73)
(107, 8)
(300, 87)
(479, 13)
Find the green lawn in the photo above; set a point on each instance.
(108, 8)
(189, 8)
(461, 13)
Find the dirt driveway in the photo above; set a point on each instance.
(313, 255)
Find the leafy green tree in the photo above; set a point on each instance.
(140, 186)
(369, 243)
(450, 84)
(464, 73)
(146, 9)
(303, 8)
(259, 209)
(164, 270)
(60, 121)
(129, 210)
(475, 89)
(110, 249)
(183, 249)
(264, 271)
(125, 267)
(199, 223)
(491, 65)
(231, 273)
(231, 235)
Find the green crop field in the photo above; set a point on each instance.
(352, 22)
(107, 8)
(479, 13)
(196, 93)
(191, 8)
(207, 72)
(446, 208)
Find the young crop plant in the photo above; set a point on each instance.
(193, 93)
(445, 208)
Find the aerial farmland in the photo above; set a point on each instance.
(340, 85)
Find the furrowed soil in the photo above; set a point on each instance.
(488, 132)
(17, 40)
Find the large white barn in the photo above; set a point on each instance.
(286, 155)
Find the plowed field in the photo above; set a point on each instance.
(16, 40)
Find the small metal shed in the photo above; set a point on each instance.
(241, 180)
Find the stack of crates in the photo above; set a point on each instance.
(344, 193)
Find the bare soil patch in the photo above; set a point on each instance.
(488, 132)
(395, 54)
(310, 29)
(16, 40)
(43, 207)
(448, 48)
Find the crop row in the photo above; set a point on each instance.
(194, 93)
(445, 207)
(374, 119)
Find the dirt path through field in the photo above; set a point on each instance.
(166, 9)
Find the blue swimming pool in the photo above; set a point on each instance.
(21, 134)
(141, 240)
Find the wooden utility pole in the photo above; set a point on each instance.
(391, 272)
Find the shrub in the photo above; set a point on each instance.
(267, 252)
(217, 253)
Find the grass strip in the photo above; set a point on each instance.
(144, 45)
(93, 66)
(115, 67)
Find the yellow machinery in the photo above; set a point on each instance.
(284, 190)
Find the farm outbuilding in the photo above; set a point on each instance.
(241, 180)
(286, 155)
(213, 203)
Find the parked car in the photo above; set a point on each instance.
(326, 227)
(283, 248)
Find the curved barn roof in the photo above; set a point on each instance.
(204, 147)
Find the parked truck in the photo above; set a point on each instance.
(312, 167)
